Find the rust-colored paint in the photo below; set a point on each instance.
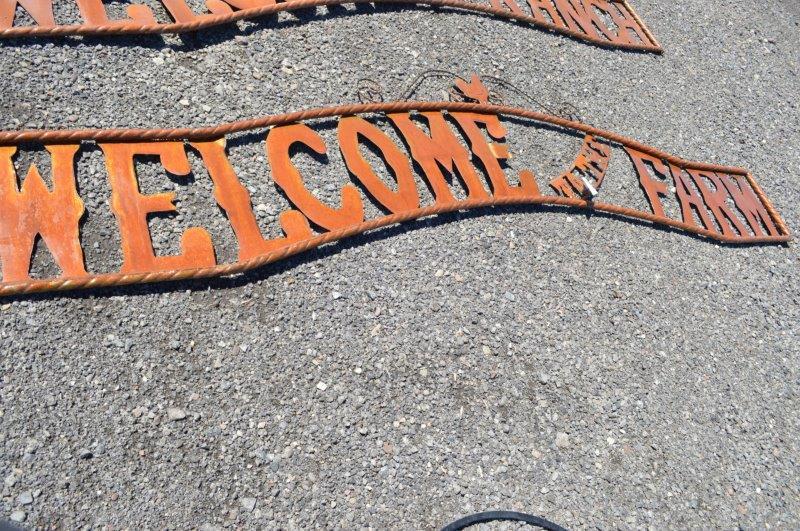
(581, 19)
(708, 206)
(41, 11)
(32, 210)
(437, 150)
(715, 197)
(591, 163)
(351, 129)
(754, 207)
(718, 202)
(654, 184)
(234, 199)
(491, 153)
(94, 13)
(286, 176)
(131, 209)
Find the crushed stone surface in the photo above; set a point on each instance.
(586, 369)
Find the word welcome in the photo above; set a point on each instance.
(721, 203)
(611, 23)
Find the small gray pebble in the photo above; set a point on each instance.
(175, 413)
(248, 504)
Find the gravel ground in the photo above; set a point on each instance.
(593, 371)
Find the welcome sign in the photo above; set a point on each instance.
(611, 23)
(438, 139)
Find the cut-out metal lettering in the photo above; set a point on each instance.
(611, 23)
(464, 138)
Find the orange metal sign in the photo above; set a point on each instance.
(463, 138)
(611, 23)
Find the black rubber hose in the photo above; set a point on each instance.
(493, 516)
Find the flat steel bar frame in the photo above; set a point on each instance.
(210, 20)
(209, 133)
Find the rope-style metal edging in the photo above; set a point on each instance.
(122, 279)
(214, 132)
(53, 136)
(207, 21)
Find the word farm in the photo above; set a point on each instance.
(461, 138)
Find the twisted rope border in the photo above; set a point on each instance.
(54, 136)
(207, 21)
(204, 133)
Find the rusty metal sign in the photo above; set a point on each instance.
(611, 23)
(438, 140)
